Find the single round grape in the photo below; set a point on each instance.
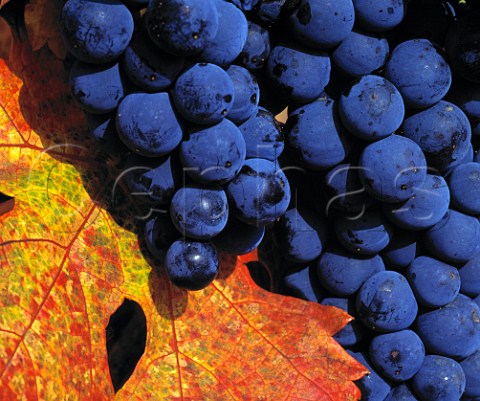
(344, 190)
(393, 168)
(453, 330)
(457, 248)
(148, 67)
(301, 234)
(238, 238)
(433, 282)
(247, 94)
(424, 209)
(230, 38)
(366, 234)
(471, 368)
(372, 108)
(315, 134)
(263, 135)
(182, 27)
(213, 154)
(299, 75)
(420, 72)
(199, 213)
(321, 24)
(379, 15)
(96, 31)
(98, 89)
(147, 124)
(204, 94)
(401, 250)
(442, 131)
(385, 302)
(260, 193)
(360, 54)
(470, 277)
(160, 233)
(343, 273)
(191, 265)
(257, 48)
(397, 356)
(439, 379)
(464, 183)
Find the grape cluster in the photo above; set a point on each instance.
(368, 195)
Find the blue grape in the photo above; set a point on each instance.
(191, 265)
(199, 213)
(301, 234)
(343, 273)
(260, 193)
(96, 31)
(159, 233)
(379, 15)
(424, 209)
(401, 250)
(214, 154)
(470, 277)
(360, 54)
(247, 94)
(154, 179)
(257, 48)
(463, 48)
(238, 238)
(366, 234)
(298, 74)
(372, 386)
(303, 284)
(148, 67)
(385, 302)
(344, 190)
(457, 248)
(321, 24)
(401, 393)
(397, 356)
(442, 131)
(420, 72)
(353, 332)
(230, 38)
(98, 89)
(147, 124)
(471, 368)
(316, 135)
(392, 169)
(263, 135)
(464, 183)
(372, 108)
(439, 379)
(182, 27)
(434, 283)
(204, 94)
(453, 330)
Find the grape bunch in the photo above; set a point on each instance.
(367, 194)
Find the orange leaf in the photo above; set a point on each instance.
(66, 265)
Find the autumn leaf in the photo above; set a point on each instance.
(68, 259)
